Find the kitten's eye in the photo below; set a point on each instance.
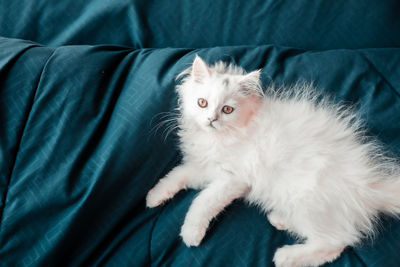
(227, 109)
(202, 102)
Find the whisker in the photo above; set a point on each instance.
(168, 121)
(170, 130)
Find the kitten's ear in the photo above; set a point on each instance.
(200, 70)
(250, 84)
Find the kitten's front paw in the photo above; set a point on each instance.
(165, 189)
(160, 193)
(156, 197)
(153, 199)
(192, 234)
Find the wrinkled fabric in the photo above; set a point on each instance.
(80, 147)
(311, 25)
(81, 141)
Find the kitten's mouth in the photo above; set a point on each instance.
(211, 125)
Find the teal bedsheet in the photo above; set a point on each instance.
(82, 84)
(78, 153)
(311, 25)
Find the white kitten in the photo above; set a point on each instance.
(301, 159)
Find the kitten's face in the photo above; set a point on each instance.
(216, 101)
(213, 104)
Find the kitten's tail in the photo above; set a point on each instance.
(387, 194)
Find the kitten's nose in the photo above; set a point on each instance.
(213, 119)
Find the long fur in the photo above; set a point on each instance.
(302, 159)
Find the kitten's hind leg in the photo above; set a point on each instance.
(171, 184)
(305, 255)
(207, 205)
(276, 220)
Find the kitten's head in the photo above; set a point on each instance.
(219, 98)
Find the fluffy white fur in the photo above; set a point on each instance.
(300, 158)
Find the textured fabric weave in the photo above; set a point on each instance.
(311, 25)
(79, 143)
(79, 154)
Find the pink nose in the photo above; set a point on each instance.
(213, 119)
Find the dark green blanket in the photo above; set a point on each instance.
(79, 154)
(311, 25)
(79, 143)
